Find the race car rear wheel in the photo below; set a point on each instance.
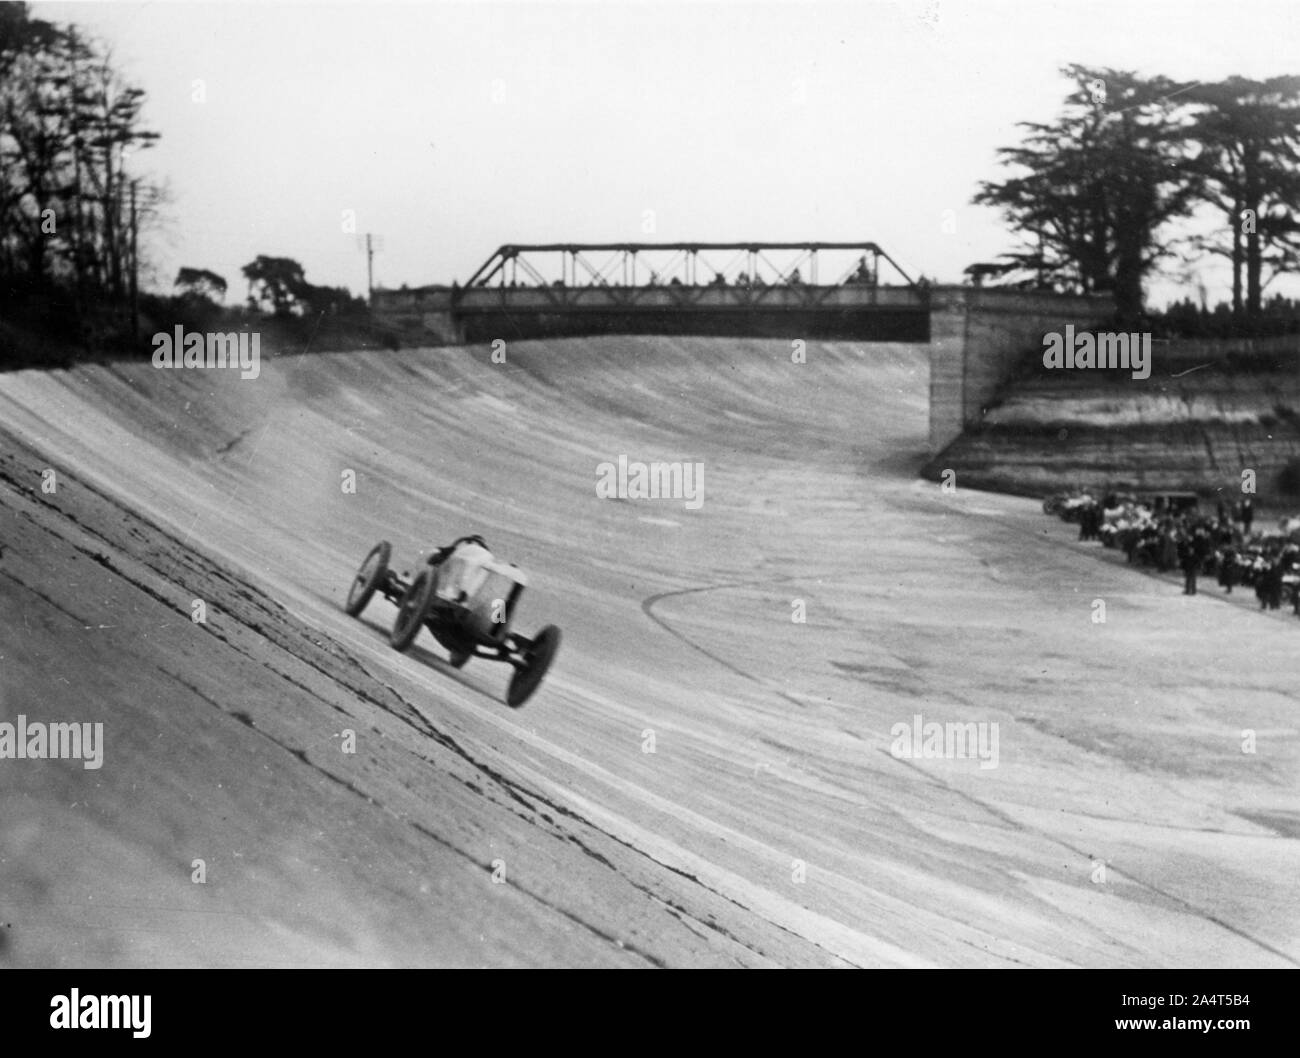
(411, 610)
(537, 659)
(368, 578)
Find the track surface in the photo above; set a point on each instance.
(771, 824)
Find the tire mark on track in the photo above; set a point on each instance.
(647, 607)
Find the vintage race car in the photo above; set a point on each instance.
(467, 604)
(1069, 506)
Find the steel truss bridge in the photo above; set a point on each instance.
(788, 290)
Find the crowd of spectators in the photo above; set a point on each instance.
(1172, 533)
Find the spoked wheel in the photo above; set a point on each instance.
(369, 577)
(411, 610)
(537, 659)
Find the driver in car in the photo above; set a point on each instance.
(460, 567)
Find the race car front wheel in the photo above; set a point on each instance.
(368, 578)
(411, 610)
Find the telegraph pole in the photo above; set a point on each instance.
(135, 269)
(373, 243)
(370, 268)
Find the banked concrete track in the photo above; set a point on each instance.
(771, 824)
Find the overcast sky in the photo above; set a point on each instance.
(452, 128)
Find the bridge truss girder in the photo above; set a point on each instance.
(625, 271)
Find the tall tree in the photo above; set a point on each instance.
(201, 283)
(31, 142)
(1092, 191)
(279, 281)
(112, 112)
(1249, 133)
(68, 124)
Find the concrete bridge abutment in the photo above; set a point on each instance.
(978, 336)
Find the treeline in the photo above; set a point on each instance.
(69, 205)
(1278, 316)
(72, 212)
(277, 286)
(1131, 172)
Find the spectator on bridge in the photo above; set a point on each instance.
(795, 279)
(862, 276)
(718, 280)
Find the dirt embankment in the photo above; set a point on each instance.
(1190, 425)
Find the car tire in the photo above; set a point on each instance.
(368, 578)
(537, 660)
(411, 610)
